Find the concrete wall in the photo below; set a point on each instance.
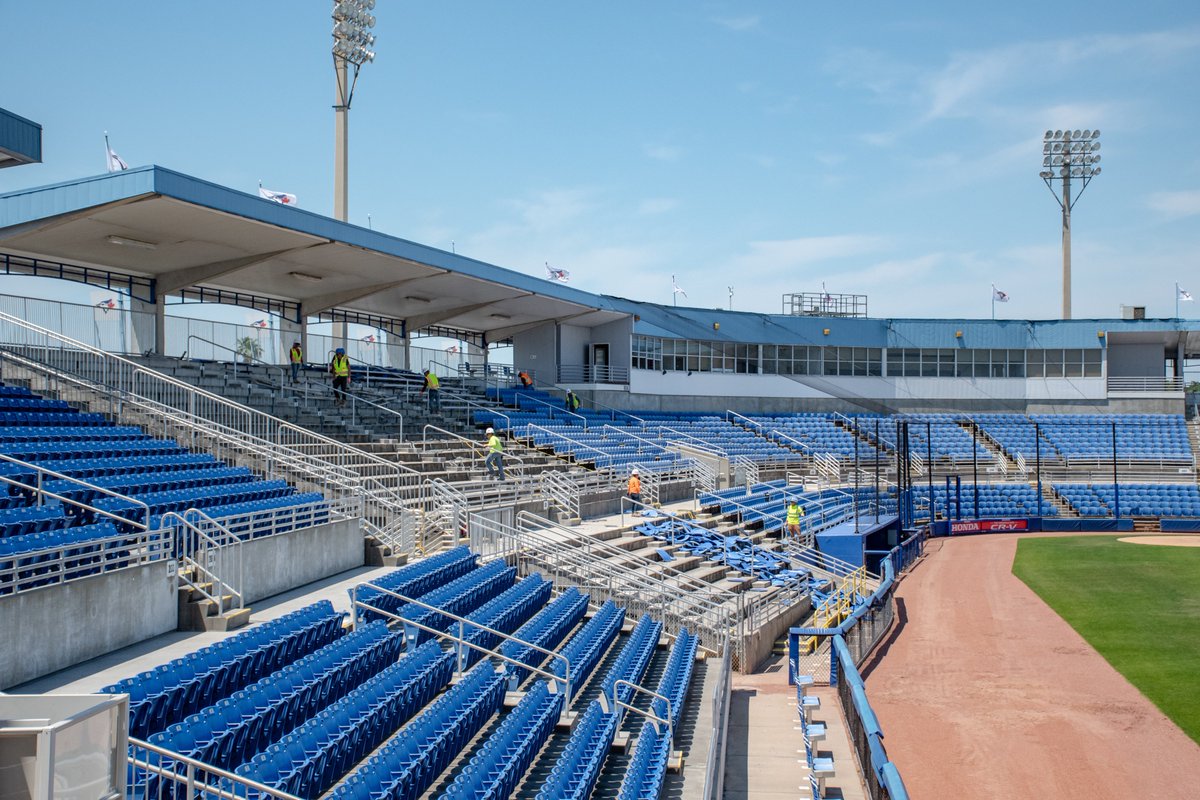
(537, 349)
(758, 644)
(280, 563)
(1136, 360)
(48, 629)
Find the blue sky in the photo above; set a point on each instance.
(878, 147)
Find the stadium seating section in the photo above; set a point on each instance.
(305, 705)
(36, 530)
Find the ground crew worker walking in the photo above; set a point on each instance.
(432, 385)
(297, 358)
(339, 368)
(634, 490)
(794, 512)
(495, 457)
(572, 402)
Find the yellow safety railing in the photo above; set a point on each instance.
(837, 607)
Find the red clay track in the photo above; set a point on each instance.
(985, 692)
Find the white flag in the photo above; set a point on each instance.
(1185, 296)
(556, 274)
(999, 296)
(115, 162)
(283, 198)
(678, 289)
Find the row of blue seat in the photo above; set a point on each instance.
(415, 579)
(648, 765)
(405, 767)
(545, 630)
(310, 759)
(737, 552)
(505, 614)
(25, 419)
(236, 728)
(169, 693)
(576, 770)
(457, 597)
(72, 433)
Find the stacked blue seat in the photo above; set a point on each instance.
(50, 557)
(505, 614)
(738, 552)
(648, 765)
(405, 767)
(588, 645)
(167, 694)
(310, 759)
(1136, 499)
(414, 580)
(236, 728)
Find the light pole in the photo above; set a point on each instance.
(1066, 155)
(352, 42)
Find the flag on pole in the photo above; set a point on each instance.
(114, 162)
(283, 198)
(262, 323)
(999, 296)
(677, 288)
(369, 338)
(1184, 295)
(556, 274)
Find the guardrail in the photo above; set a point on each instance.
(592, 373)
(881, 776)
(714, 772)
(64, 563)
(155, 772)
(1149, 384)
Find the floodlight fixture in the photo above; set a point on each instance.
(1073, 156)
(352, 43)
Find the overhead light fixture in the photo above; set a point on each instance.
(127, 242)
(412, 298)
(499, 316)
(304, 276)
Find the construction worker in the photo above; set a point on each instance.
(495, 455)
(433, 386)
(794, 512)
(339, 368)
(634, 490)
(526, 381)
(296, 355)
(572, 401)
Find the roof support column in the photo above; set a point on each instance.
(148, 326)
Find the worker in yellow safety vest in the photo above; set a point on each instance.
(296, 354)
(339, 368)
(432, 385)
(495, 455)
(794, 512)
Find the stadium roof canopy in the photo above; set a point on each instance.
(20, 140)
(183, 232)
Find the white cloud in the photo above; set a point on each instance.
(662, 152)
(657, 205)
(1175, 205)
(745, 23)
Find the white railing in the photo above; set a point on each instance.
(73, 561)
(155, 772)
(563, 492)
(1145, 384)
(128, 390)
(591, 373)
(213, 558)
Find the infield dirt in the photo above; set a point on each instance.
(984, 692)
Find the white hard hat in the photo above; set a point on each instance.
(635, 472)
(491, 430)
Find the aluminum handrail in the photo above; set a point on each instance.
(158, 377)
(707, 447)
(613, 410)
(89, 486)
(222, 585)
(521, 398)
(630, 434)
(565, 678)
(605, 550)
(808, 448)
(225, 788)
(619, 703)
(475, 446)
(66, 563)
(236, 352)
(578, 444)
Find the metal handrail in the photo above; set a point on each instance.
(525, 397)
(565, 678)
(89, 486)
(474, 445)
(613, 410)
(53, 561)
(619, 703)
(238, 353)
(579, 445)
(222, 585)
(630, 434)
(224, 789)
(696, 442)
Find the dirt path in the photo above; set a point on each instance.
(987, 693)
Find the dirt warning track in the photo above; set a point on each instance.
(985, 692)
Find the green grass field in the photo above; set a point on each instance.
(1138, 605)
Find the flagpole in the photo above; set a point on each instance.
(107, 157)
(1176, 299)
(674, 294)
(993, 302)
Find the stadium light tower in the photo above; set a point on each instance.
(352, 42)
(1066, 155)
